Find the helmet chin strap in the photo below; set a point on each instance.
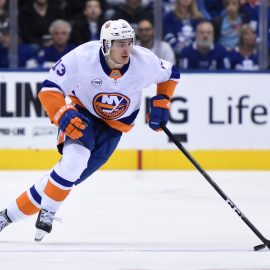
(111, 61)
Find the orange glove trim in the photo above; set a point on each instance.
(74, 127)
(61, 111)
(163, 103)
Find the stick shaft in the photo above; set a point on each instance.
(215, 186)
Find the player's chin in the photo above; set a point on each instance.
(124, 59)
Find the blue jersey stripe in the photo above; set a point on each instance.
(35, 194)
(129, 119)
(175, 73)
(58, 179)
(50, 84)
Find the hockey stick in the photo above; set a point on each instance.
(266, 242)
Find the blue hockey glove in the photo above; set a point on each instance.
(71, 122)
(159, 112)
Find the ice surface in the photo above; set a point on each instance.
(132, 220)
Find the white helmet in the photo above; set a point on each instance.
(115, 30)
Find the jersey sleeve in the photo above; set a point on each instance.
(63, 74)
(166, 77)
(60, 82)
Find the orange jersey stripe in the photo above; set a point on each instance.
(118, 125)
(51, 101)
(55, 193)
(25, 205)
(76, 101)
(166, 88)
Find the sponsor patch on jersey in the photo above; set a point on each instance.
(97, 82)
(110, 106)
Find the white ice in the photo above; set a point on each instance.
(128, 220)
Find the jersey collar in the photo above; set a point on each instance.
(110, 71)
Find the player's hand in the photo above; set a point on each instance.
(71, 122)
(159, 112)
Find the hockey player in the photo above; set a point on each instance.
(93, 94)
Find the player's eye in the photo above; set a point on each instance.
(124, 45)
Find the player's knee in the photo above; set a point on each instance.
(74, 160)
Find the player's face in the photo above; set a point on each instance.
(120, 51)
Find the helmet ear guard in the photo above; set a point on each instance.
(107, 45)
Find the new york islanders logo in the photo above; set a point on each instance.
(110, 106)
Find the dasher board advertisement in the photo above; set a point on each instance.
(209, 111)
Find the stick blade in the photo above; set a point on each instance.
(259, 247)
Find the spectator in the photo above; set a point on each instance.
(148, 4)
(251, 10)
(242, 2)
(210, 8)
(168, 5)
(26, 55)
(60, 32)
(228, 26)
(245, 56)
(4, 17)
(35, 19)
(71, 8)
(74, 8)
(88, 27)
(133, 12)
(21, 4)
(204, 53)
(146, 39)
(119, 2)
(180, 24)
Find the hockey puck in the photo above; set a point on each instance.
(259, 247)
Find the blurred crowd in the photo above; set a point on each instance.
(197, 34)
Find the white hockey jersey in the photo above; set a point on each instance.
(113, 95)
